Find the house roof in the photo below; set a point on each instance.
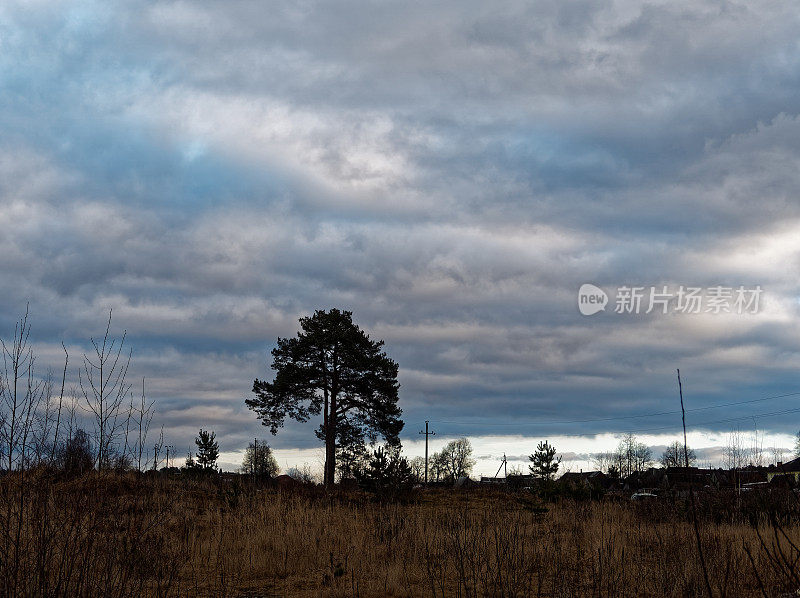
(789, 466)
(583, 475)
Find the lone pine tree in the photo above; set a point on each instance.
(544, 463)
(332, 367)
(207, 449)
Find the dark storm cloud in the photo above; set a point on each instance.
(452, 173)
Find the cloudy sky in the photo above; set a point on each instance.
(450, 172)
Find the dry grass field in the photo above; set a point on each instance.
(107, 535)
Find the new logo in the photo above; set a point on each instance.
(591, 299)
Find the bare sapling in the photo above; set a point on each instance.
(103, 383)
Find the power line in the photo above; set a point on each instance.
(621, 417)
(694, 425)
(733, 419)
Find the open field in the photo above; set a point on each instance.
(127, 536)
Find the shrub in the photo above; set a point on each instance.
(387, 473)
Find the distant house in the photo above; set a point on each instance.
(589, 479)
(515, 481)
(790, 469)
(649, 478)
(678, 478)
(682, 478)
(492, 480)
(465, 482)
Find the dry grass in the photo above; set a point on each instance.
(113, 536)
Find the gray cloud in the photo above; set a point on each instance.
(451, 173)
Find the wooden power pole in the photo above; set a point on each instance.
(427, 433)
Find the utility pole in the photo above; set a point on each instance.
(503, 467)
(691, 493)
(254, 462)
(427, 433)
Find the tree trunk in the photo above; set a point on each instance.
(330, 445)
(326, 426)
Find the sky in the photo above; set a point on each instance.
(451, 172)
